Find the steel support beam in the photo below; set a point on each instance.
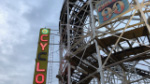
(119, 62)
(96, 44)
(142, 14)
(68, 43)
(90, 75)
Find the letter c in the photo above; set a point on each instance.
(39, 56)
(41, 38)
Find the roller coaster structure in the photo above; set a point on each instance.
(116, 52)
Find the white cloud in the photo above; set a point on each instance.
(20, 21)
(12, 25)
(13, 30)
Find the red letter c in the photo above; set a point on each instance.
(44, 35)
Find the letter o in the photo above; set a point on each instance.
(37, 76)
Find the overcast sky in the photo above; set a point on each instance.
(20, 22)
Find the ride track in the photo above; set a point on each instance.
(112, 52)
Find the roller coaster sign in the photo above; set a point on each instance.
(108, 10)
(42, 57)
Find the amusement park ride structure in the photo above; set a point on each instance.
(114, 52)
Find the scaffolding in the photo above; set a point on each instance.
(52, 57)
(116, 52)
(50, 61)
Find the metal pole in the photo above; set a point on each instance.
(99, 62)
(60, 55)
(92, 17)
(142, 14)
(60, 48)
(68, 42)
(96, 44)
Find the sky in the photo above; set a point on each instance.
(20, 22)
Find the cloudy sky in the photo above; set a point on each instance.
(20, 22)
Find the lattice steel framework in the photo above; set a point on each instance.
(115, 53)
(50, 61)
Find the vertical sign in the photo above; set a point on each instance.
(42, 57)
(108, 10)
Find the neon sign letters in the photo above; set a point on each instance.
(42, 56)
(110, 9)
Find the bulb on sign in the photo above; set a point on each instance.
(45, 31)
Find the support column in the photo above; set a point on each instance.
(96, 44)
(68, 42)
(99, 62)
(60, 55)
(142, 14)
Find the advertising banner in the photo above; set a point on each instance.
(42, 57)
(108, 10)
